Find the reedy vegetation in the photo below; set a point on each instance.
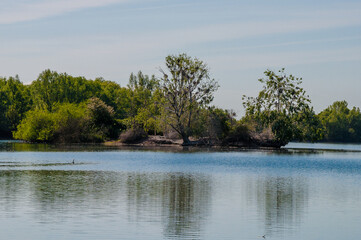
(58, 107)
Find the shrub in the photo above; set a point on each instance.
(133, 135)
(71, 124)
(68, 123)
(239, 134)
(38, 126)
(101, 119)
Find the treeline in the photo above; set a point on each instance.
(57, 107)
(340, 123)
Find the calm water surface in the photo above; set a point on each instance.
(110, 193)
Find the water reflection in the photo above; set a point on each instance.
(16, 146)
(186, 204)
(138, 195)
(291, 149)
(281, 202)
(179, 202)
(183, 201)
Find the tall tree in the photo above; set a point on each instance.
(280, 93)
(140, 93)
(281, 106)
(186, 86)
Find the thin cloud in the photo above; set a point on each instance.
(38, 10)
(284, 59)
(292, 43)
(185, 37)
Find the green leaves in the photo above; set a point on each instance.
(39, 125)
(14, 102)
(279, 106)
(68, 123)
(52, 88)
(186, 88)
(141, 105)
(341, 124)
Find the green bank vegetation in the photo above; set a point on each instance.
(60, 108)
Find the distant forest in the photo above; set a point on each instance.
(60, 108)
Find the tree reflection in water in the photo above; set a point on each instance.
(179, 202)
(182, 201)
(282, 202)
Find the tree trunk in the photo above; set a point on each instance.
(185, 138)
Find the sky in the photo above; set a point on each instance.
(318, 40)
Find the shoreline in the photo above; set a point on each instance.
(159, 143)
(154, 141)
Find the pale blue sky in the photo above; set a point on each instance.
(317, 40)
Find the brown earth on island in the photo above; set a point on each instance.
(255, 141)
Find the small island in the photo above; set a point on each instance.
(173, 109)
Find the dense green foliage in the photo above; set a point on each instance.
(341, 124)
(141, 106)
(282, 111)
(14, 103)
(61, 108)
(57, 107)
(92, 121)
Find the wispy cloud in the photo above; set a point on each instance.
(146, 45)
(170, 38)
(284, 59)
(25, 11)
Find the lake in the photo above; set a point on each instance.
(305, 191)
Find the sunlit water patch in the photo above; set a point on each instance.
(325, 146)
